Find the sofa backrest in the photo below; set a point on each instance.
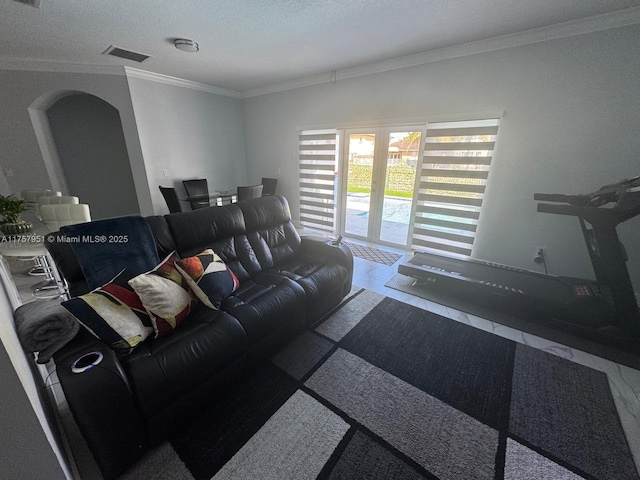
(64, 257)
(65, 260)
(249, 236)
(269, 229)
(219, 228)
(162, 235)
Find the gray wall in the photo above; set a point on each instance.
(4, 185)
(25, 452)
(29, 448)
(191, 134)
(90, 142)
(571, 116)
(24, 92)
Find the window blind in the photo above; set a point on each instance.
(452, 182)
(318, 166)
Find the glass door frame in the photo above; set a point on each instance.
(378, 180)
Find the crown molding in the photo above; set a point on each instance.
(179, 82)
(60, 67)
(621, 18)
(10, 63)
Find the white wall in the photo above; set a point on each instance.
(191, 133)
(572, 112)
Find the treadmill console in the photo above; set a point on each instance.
(588, 290)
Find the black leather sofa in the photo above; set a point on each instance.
(287, 283)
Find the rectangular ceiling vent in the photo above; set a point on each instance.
(31, 3)
(126, 54)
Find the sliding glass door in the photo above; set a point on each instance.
(360, 183)
(379, 173)
(411, 186)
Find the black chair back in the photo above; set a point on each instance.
(250, 191)
(171, 197)
(197, 187)
(269, 186)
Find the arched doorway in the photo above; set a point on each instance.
(87, 135)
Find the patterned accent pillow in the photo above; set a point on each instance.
(209, 277)
(165, 295)
(114, 314)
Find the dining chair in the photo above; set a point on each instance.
(249, 191)
(269, 185)
(31, 197)
(60, 215)
(197, 187)
(48, 200)
(171, 197)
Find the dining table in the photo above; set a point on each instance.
(218, 198)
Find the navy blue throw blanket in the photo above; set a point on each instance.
(104, 247)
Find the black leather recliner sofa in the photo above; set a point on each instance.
(287, 283)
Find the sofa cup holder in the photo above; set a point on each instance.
(86, 362)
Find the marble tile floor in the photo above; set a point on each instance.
(624, 381)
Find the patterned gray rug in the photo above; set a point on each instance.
(385, 390)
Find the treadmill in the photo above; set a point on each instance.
(604, 310)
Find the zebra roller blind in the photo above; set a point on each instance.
(318, 166)
(451, 185)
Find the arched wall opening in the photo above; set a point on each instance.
(83, 145)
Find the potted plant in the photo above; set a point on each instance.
(10, 209)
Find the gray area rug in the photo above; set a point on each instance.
(384, 390)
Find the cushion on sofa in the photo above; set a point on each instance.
(322, 280)
(168, 367)
(264, 303)
(165, 294)
(278, 247)
(114, 314)
(209, 278)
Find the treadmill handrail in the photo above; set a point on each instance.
(560, 209)
(561, 198)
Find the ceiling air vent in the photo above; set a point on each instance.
(31, 3)
(126, 54)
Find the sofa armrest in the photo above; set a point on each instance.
(102, 403)
(323, 247)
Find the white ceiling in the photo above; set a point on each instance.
(251, 44)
